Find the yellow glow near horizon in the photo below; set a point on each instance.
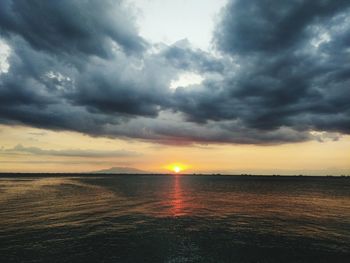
(310, 158)
(176, 167)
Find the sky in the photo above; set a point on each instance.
(215, 86)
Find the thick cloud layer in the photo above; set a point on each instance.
(291, 69)
(71, 27)
(282, 73)
(271, 25)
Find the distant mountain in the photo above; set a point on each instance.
(120, 170)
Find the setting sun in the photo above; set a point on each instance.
(176, 167)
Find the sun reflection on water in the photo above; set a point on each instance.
(177, 198)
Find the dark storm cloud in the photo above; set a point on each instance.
(282, 72)
(71, 27)
(133, 92)
(63, 81)
(293, 61)
(271, 25)
(184, 57)
(68, 153)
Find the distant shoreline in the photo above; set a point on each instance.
(43, 175)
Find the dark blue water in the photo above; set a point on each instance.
(174, 219)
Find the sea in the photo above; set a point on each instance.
(174, 218)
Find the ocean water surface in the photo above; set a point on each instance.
(174, 219)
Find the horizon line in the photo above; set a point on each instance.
(167, 174)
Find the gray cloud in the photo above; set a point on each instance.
(290, 68)
(184, 57)
(71, 27)
(69, 152)
(271, 26)
(282, 72)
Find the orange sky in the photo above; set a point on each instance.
(48, 151)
